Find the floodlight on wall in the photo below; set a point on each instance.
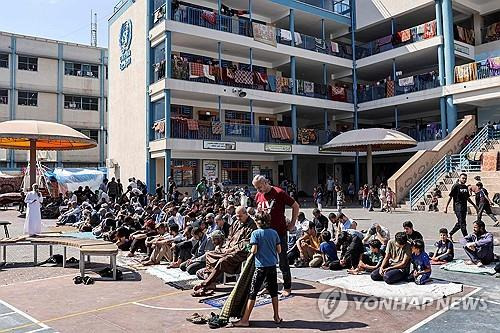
(240, 92)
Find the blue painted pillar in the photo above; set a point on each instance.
(325, 118)
(352, 4)
(250, 56)
(291, 23)
(449, 61)
(168, 165)
(250, 11)
(60, 102)
(323, 32)
(441, 66)
(252, 120)
(102, 107)
(294, 123)
(295, 170)
(13, 86)
(396, 117)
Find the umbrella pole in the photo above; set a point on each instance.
(369, 165)
(32, 162)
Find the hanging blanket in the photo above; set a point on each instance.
(430, 29)
(195, 70)
(206, 73)
(309, 88)
(216, 128)
(243, 77)
(260, 78)
(389, 88)
(406, 81)
(404, 35)
(192, 124)
(285, 35)
(264, 33)
(307, 136)
(281, 133)
(210, 17)
(493, 63)
(334, 47)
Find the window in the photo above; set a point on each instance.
(4, 60)
(81, 103)
(93, 134)
(4, 96)
(28, 98)
(185, 172)
(237, 117)
(28, 64)
(77, 69)
(236, 172)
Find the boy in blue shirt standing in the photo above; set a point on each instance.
(421, 263)
(266, 247)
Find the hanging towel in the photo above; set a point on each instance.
(404, 35)
(406, 81)
(298, 38)
(206, 73)
(309, 88)
(285, 35)
(243, 77)
(493, 63)
(216, 128)
(334, 47)
(389, 88)
(421, 29)
(210, 17)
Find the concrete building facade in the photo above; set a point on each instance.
(42, 79)
(234, 88)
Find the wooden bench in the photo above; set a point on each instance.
(86, 247)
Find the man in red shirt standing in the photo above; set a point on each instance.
(273, 200)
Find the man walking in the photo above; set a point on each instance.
(273, 200)
(460, 195)
(330, 186)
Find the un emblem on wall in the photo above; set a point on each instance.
(124, 42)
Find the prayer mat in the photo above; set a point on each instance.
(79, 235)
(133, 263)
(405, 292)
(460, 266)
(169, 274)
(218, 302)
(184, 284)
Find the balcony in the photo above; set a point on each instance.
(387, 88)
(234, 75)
(491, 33)
(340, 7)
(243, 27)
(401, 38)
(478, 70)
(192, 129)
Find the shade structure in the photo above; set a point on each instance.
(369, 140)
(36, 135)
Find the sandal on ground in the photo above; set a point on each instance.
(193, 316)
(78, 279)
(203, 293)
(88, 280)
(235, 324)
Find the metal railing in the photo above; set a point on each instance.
(340, 7)
(461, 162)
(219, 131)
(477, 70)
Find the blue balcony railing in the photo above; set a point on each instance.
(340, 7)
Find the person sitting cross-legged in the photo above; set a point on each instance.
(351, 249)
(327, 249)
(396, 264)
(203, 244)
(421, 262)
(371, 259)
(479, 245)
(444, 249)
(308, 246)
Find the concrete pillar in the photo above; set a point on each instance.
(478, 24)
(168, 165)
(369, 165)
(441, 66)
(449, 61)
(295, 172)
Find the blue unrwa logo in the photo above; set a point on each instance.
(124, 42)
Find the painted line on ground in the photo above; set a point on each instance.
(76, 314)
(485, 300)
(25, 315)
(6, 314)
(172, 309)
(440, 312)
(36, 280)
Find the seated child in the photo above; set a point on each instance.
(308, 245)
(266, 246)
(444, 249)
(371, 259)
(421, 263)
(327, 249)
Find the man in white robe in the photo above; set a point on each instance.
(33, 222)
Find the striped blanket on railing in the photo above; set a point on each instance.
(281, 133)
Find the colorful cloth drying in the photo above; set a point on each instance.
(406, 81)
(243, 77)
(264, 33)
(216, 128)
(195, 70)
(467, 72)
(307, 136)
(490, 161)
(389, 88)
(334, 47)
(192, 124)
(210, 17)
(281, 133)
(493, 63)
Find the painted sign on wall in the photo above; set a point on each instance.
(124, 42)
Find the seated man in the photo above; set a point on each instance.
(308, 246)
(411, 234)
(203, 245)
(228, 258)
(396, 264)
(71, 216)
(371, 259)
(351, 249)
(163, 246)
(320, 221)
(479, 245)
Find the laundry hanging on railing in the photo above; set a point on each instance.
(243, 77)
(195, 70)
(285, 35)
(334, 47)
(389, 88)
(307, 136)
(492, 32)
(464, 35)
(216, 128)
(298, 38)
(192, 124)
(467, 72)
(159, 126)
(210, 17)
(281, 133)
(264, 33)
(406, 81)
(227, 11)
(493, 63)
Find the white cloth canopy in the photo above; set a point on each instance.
(380, 139)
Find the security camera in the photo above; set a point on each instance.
(240, 92)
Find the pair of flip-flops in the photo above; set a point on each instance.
(108, 273)
(198, 319)
(85, 280)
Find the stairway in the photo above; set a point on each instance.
(446, 172)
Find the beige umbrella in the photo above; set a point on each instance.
(36, 135)
(369, 140)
